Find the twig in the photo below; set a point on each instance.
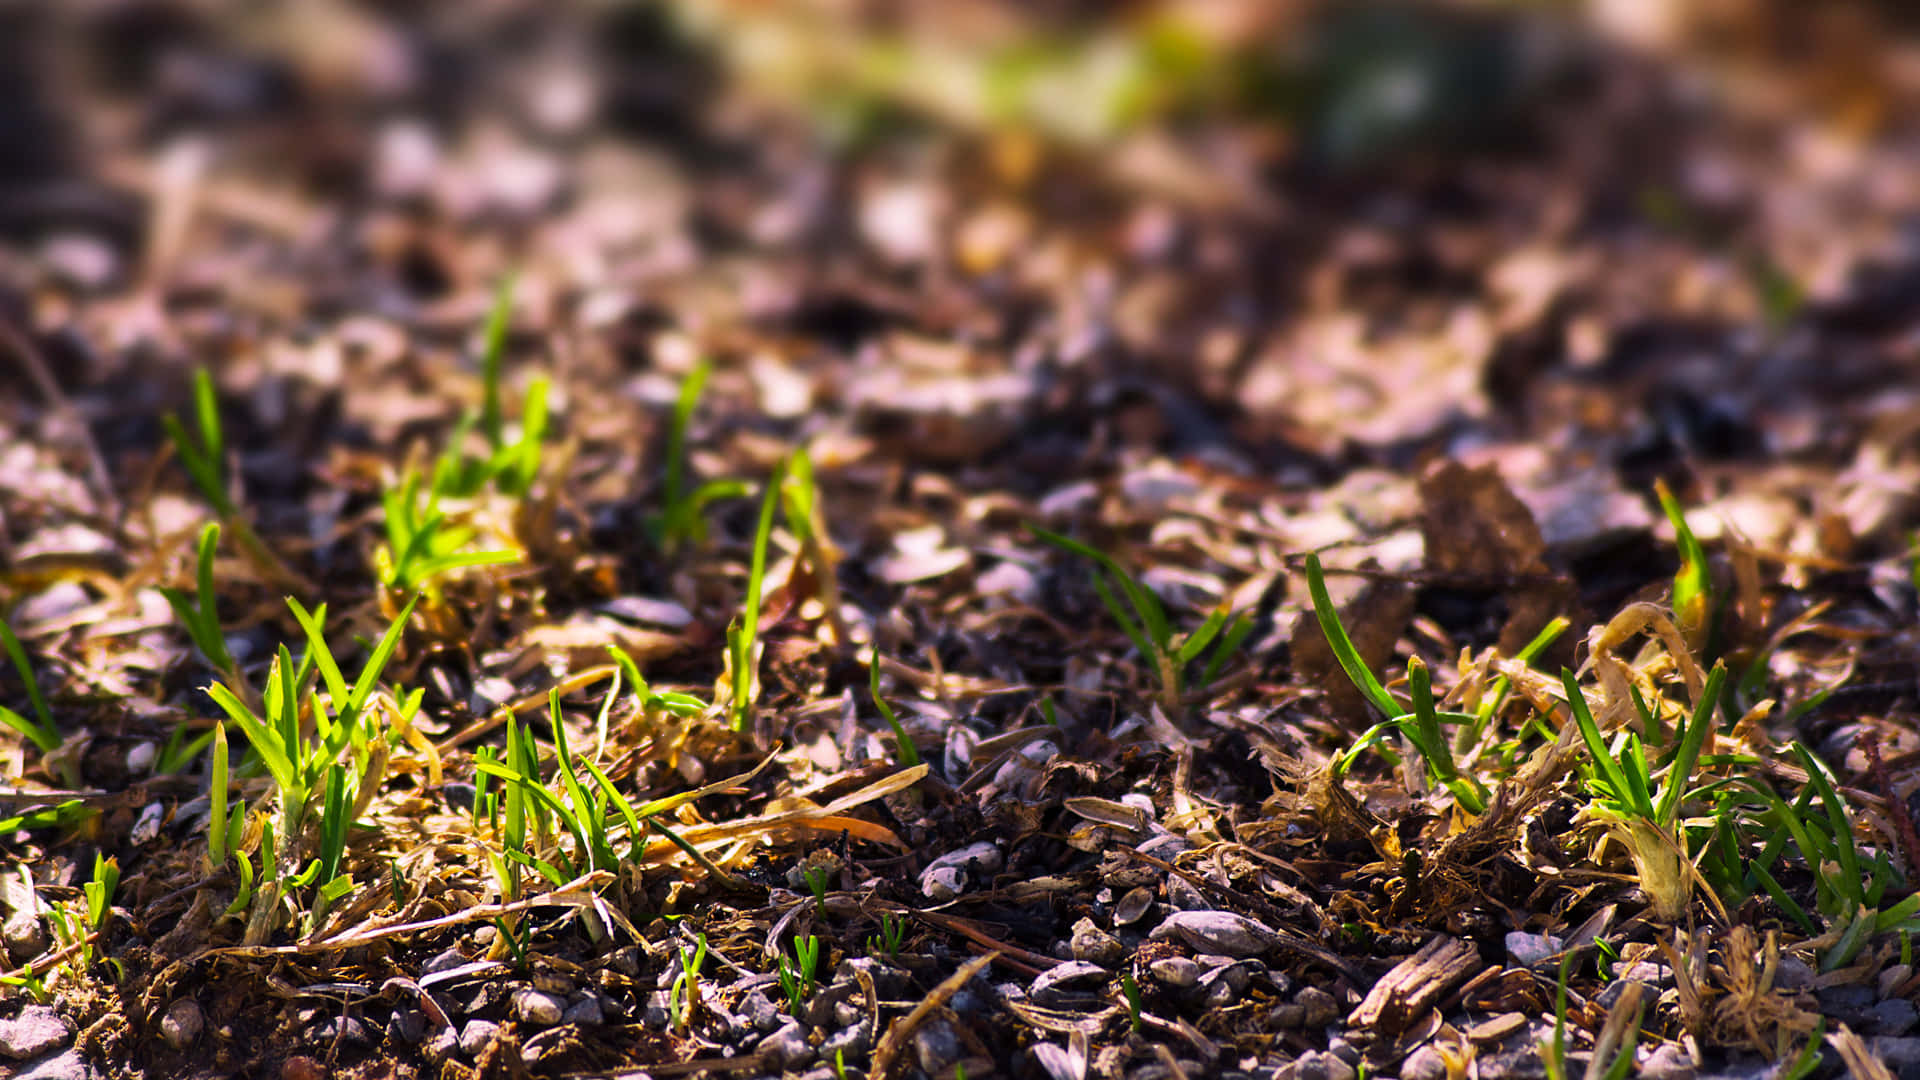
(902, 1029)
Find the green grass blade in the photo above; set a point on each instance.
(1230, 642)
(749, 629)
(1149, 651)
(690, 390)
(206, 413)
(47, 741)
(1699, 726)
(370, 674)
(903, 747)
(314, 623)
(265, 743)
(1603, 762)
(18, 654)
(1342, 645)
(1192, 645)
(217, 798)
(1691, 587)
(1854, 885)
(493, 346)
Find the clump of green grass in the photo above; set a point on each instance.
(580, 803)
(1144, 620)
(891, 938)
(1850, 887)
(305, 766)
(1642, 813)
(684, 998)
(798, 975)
(1417, 720)
(421, 542)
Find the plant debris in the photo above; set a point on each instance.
(716, 539)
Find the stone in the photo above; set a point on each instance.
(539, 1008)
(182, 1023)
(1424, 1064)
(25, 935)
(850, 1042)
(1319, 1005)
(1611, 992)
(935, 1046)
(476, 1035)
(338, 1030)
(948, 876)
(1667, 1062)
(1176, 971)
(36, 1030)
(446, 961)
(407, 1026)
(786, 1047)
(656, 1014)
(759, 1011)
(1902, 1055)
(1527, 949)
(889, 982)
(1317, 1065)
(1220, 932)
(65, 1065)
(443, 1044)
(586, 1012)
(1063, 983)
(1895, 1016)
(1095, 946)
(1793, 974)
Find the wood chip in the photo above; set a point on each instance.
(1415, 985)
(1497, 1029)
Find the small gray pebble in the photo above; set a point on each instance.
(1527, 949)
(36, 1030)
(182, 1024)
(539, 1008)
(1793, 974)
(340, 1029)
(1667, 1062)
(1611, 992)
(852, 1041)
(476, 1035)
(786, 1048)
(586, 1012)
(759, 1011)
(1096, 946)
(443, 1044)
(1424, 1064)
(935, 1046)
(1176, 971)
(407, 1026)
(1319, 1005)
(1894, 1016)
(66, 1065)
(445, 961)
(655, 1014)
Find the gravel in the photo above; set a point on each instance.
(36, 1030)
